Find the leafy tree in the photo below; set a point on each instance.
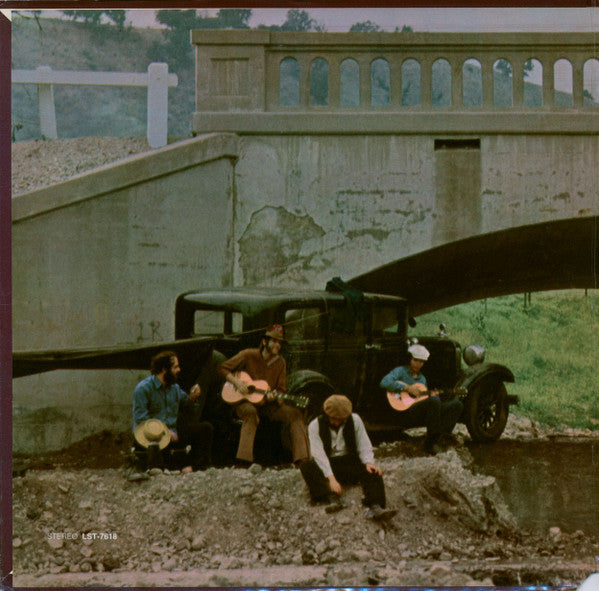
(177, 49)
(94, 17)
(364, 27)
(404, 29)
(505, 68)
(296, 21)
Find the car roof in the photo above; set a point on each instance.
(244, 299)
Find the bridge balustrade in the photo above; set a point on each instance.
(275, 71)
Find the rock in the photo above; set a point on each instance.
(169, 564)
(17, 542)
(55, 543)
(86, 567)
(198, 542)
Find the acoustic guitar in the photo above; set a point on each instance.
(403, 400)
(258, 389)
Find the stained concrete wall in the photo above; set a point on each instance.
(99, 260)
(331, 205)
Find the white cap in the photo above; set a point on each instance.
(419, 352)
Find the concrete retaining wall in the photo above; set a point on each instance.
(99, 260)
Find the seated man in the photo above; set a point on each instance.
(428, 411)
(342, 453)
(264, 363)
(158, 397)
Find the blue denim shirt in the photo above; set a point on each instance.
(400, 377)
(152, 400)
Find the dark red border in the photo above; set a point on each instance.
(5, 312)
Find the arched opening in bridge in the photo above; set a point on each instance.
(532, 73)
(472, 83)
(289, 89)
(349, 83)
(502, 83)
(562, 83)
(410, 83)
(380, 83)
(591, 83)
(441, 86)
(319, 83)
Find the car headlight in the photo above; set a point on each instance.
(474, 354)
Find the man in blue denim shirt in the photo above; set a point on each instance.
(438, 417)
(158, 397)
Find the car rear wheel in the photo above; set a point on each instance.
(487, 410)
(316, 393)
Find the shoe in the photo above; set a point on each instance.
(335, 504)
(377, 513)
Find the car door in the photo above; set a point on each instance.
(385, 349)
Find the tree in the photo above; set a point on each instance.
(177, 49)
(404, 29)
(296, 21)
(505, 68)
(364, 27)
(94, 17)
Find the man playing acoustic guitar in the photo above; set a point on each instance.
(264, 363)
(421, 407)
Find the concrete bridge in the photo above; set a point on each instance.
(317, 154)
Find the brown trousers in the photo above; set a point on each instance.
(250, 416)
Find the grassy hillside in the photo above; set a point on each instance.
(550, 343)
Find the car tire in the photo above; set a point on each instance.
(486, 410)
(317, 393)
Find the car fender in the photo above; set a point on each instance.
(298, 379)
(472, 375)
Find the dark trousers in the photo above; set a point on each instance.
(438, 417)
(348, 469)
(198, 435)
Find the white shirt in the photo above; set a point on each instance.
(363, 444)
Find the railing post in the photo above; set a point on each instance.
(45, 92)
(157, 104)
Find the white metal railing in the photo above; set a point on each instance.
(157, 79)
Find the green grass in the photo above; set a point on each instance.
(550, 343)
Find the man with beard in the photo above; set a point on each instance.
(158, 397)
(264, 363)
(342, 454)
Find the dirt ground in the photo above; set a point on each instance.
(78, 521)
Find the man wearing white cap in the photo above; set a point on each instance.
(342, 454)
(438, 417)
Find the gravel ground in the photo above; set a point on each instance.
(231, 527)
(40, 163)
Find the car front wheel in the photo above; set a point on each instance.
(486, 410)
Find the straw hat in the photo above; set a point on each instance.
(152, 431)
(275, 332)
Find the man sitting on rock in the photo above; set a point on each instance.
(158, 397)
(342, 453)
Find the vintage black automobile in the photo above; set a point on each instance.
(346, 345)
(336, 343)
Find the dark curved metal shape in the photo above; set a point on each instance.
(561, 254)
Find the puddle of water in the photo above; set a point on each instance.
(546, 483)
